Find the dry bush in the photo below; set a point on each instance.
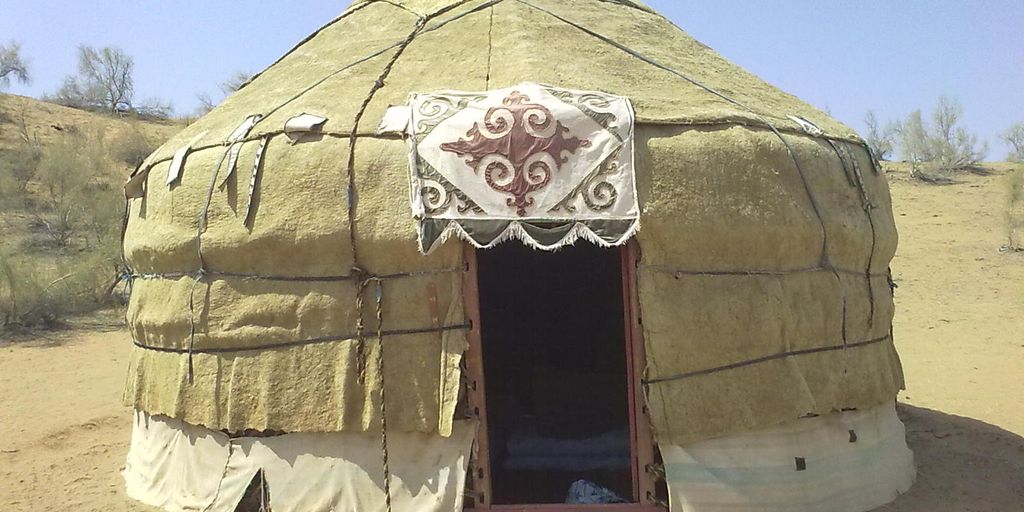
(940, 147)
(65, 260)
(20, 294)
(881, 140)
(72, 192)
(1014, 136)
(33, 295)
(17, 168)
(132, 146)
(1015, 211)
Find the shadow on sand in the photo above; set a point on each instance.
(962, 465)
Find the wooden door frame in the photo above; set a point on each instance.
(642, 448)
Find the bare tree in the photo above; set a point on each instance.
(104, 80)
(941, 142)
(236, 82)
(206, 104)
(881, 141)
(1014, 136)
(228, 87)
(12, 65)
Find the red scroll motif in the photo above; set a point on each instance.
(518, 146)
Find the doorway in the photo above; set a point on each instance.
(555, 355)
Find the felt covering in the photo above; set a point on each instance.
(758, 245)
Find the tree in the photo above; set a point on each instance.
(881, 141)
(941, 142)
(228, 87)
(206, 104)
(12, 65)
(237, 80)
(104, 81)
(1014, 136)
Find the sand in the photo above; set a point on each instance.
(959, 329)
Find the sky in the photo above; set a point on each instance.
(890, 56)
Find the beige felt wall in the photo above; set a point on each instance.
(739, 268)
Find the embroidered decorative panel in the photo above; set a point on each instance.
(541, 164)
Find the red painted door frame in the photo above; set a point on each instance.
(641, 441)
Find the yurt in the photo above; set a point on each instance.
(516, 255)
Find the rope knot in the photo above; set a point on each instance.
(359, 274)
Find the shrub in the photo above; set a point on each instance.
(17, 168)
(1014, 136)
(72, 192)
(941, 145)
(21, 295)
(881, 140)
(132, 147)
(33, 295)
(1015, 211)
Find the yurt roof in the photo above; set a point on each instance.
(615, 46)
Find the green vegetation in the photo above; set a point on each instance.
(61, 206)
(937, 147)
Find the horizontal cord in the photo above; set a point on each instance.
(821, 268)
(258, 277)
(311, 341)
(781, 355)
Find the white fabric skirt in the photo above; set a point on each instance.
(843, 462)
(181, 467)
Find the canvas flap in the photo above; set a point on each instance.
(541, 164)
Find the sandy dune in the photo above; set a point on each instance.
(960, 331)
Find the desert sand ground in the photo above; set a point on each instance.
(959, 329)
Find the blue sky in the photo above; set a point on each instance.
(892, 56)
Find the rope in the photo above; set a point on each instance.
(201, 272)
(383, 398)
(398, 44)
(360, 342)
(125, 270)
(819, 268)
(721, 124)
(363, 277)
(764, 359)
(301, 279)
(857, 180)
(310, 341)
